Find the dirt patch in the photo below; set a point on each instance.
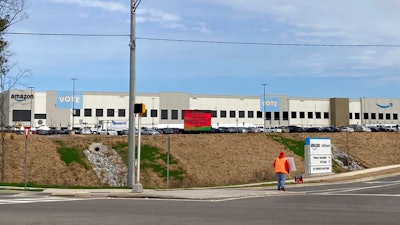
(207, 159)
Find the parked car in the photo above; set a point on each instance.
(251, 130)
(242, 130)
(259, 129)
(272, 130)
(295, 129)
(124, 132)
(108, 132)
(346, 129)
(86, 130)
(376, 129)
(330, 129)
(313, 130)
(168, 131)
(63, 131)
(147, 131)
(391, 128)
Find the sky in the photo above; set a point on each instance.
(313, 48)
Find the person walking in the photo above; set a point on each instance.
(281, 167)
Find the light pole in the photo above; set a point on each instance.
(152, 118)
(30, 123)
(264, 109)
(73, 103)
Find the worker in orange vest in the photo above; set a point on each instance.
(281, 167)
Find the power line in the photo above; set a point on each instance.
(67, 34)
(207, 41)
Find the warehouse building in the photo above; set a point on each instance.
(165, 109)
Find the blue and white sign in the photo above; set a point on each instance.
(65, 100)
(271, 104)
(318, 155)
(319, 145)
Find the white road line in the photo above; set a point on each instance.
(370, 187)
(383, 182)
(38, 199)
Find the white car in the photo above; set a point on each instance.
(273, 130)
(86, 130)
(346, 129)
(108, 132)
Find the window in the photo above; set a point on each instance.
(276, 116)
(373, 116)
(365, 116)
(40, 116)
(302, 115)
(77, 112)
(223, 113)
(259, 114)
(285, 115)
(268, 115)
(232, 114)
(293, 115)
(310, 115)
(351, 115)
(214, 113)
(326, 115)
(317, 115)
(153, 113)
(21, 115)
(357, 115)
(395, 116)
(121, 112)
(88, 112)
(174, 114)
(164, 114)
(99, 112)
(241, 114)
(388, 116)
(380, 116)
(250, 114)
(110, 112)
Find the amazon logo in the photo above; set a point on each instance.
(384, 106)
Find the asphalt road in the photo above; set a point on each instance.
(372, 202)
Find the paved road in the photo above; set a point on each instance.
(370, 202)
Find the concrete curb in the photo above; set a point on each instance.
(226, 192)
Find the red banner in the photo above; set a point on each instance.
(197, 120)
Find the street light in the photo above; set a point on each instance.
(152, 118)
(73, 103)
(264, 113)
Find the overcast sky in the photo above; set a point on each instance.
(313, 48)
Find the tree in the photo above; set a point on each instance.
(11, 12)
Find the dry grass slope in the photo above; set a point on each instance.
(208, 160)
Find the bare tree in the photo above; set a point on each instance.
(11, 12)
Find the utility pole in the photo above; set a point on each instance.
(136, 187)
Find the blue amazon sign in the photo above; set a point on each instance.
(390, 105)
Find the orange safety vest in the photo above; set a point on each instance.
(280, 165)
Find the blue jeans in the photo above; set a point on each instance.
(281, 179)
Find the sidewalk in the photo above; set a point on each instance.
(227, 192)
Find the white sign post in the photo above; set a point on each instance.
(318, 156)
